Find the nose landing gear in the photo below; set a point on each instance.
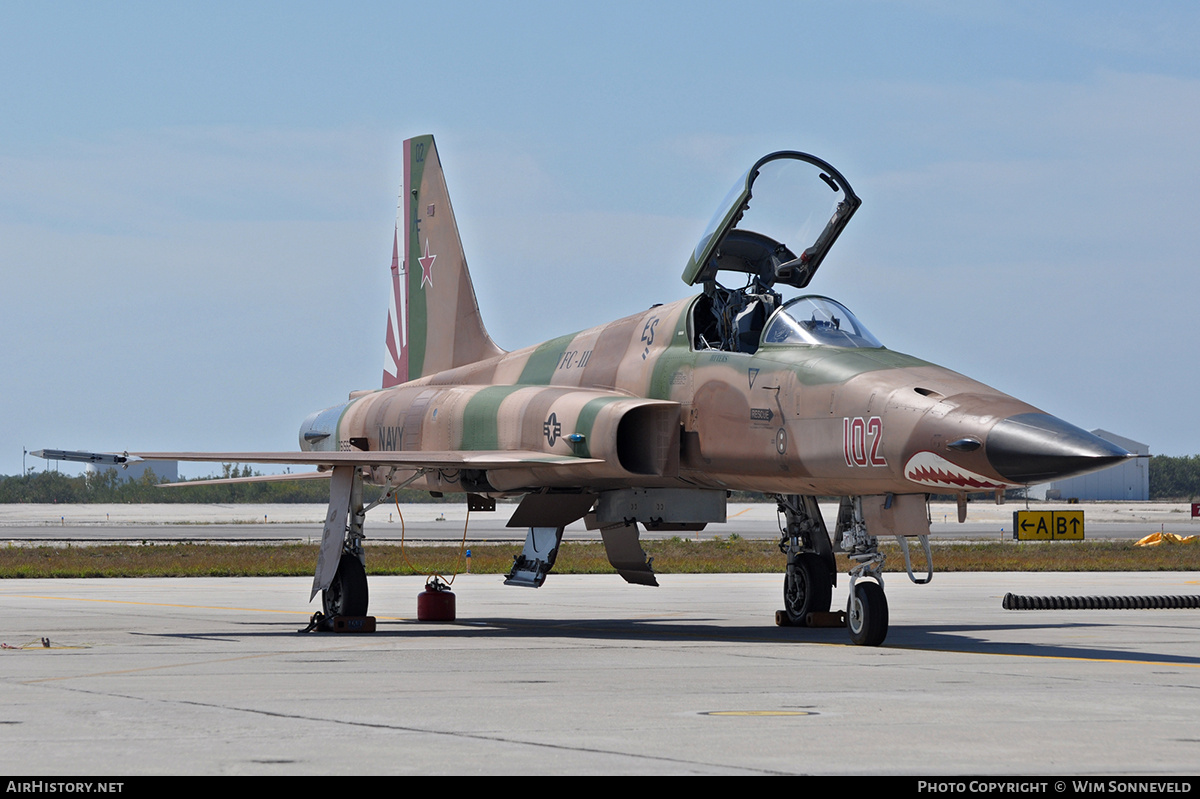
(867, 614)
(866, 607)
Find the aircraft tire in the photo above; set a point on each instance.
(867, 615)
(807, 589)
(347, 594)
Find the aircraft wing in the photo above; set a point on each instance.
(343, 465)
(448, 459)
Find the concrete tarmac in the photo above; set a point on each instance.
(590, 676)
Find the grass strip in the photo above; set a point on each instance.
(673, 556)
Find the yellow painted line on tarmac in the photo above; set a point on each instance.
(1080, 658)
(739, 513)
(716, 635)
(152, 604)
(304, 613)
(1076, 658)
(183, 665)
(757, 713)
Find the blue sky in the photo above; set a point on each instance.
(197, 200)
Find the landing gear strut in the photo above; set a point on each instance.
(866, 608)
(343, 582)
(811, 569)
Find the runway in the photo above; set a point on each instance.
(445, 522)
(588, 675)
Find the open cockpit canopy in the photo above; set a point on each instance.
(818, 321)
(776, 224)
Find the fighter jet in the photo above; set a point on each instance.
(652, 419)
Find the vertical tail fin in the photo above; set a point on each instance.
(433, 320)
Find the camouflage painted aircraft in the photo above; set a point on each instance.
(653, 418)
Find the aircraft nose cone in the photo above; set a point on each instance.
(1038, 448)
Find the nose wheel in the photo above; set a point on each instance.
(867, 614)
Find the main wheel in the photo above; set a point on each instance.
(867, 615)
(347, 594)
(807, 588)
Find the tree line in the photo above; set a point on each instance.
(1175, 477)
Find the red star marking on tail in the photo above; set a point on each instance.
(427, 266)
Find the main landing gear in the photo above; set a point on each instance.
(347, 594)
(807, 587)
(811, 569)
(341, 574)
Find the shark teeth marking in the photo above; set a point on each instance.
(931, 469)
